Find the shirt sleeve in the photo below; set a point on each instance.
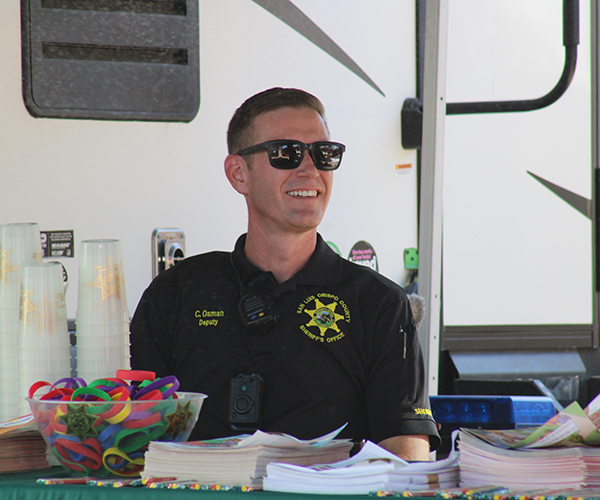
(397, 397)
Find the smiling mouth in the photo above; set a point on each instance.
(303, 194)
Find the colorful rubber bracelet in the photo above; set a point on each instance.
(71, 437)
(72, 465)
(122, 461)
(86, 454)
(82, 383)
(129, 440)
(101, 382)
(44, 416)
(90, 391)
(109, 384)
(136, 375)
(123, 411)
(105, 388)
(99, 409)
(160, 383)
(55, 451)
(110, 411)
(37, 386)
(55, 424)
(156, 431)
(95, 397)
(154, 395)
(146, 383)
(129, 467)
(50, 435)
(71, 382)
(76, 465)
(118, 393)
(119, 382)
(113, 413)
(58, 394)
(60, 409)
(133, 390)
(139, 420)
(153, 398)
(48, 431)
(107, 435)
(170, 391)
(56, 428)
(172, 388)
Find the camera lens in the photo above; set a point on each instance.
(242, 404)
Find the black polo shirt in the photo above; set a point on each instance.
(344, 348)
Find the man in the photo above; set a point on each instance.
(319, 341)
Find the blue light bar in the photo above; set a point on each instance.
(491, 412)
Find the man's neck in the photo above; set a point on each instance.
(283, 255)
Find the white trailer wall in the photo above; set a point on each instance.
(109, 179)
(514, 252)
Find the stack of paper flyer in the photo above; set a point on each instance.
(562, 453)
(22, 447)
(239, 460)
(372, 469)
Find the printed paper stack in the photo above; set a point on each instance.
(372, 469)
(562, 453)
(239, 460)
(22, 447)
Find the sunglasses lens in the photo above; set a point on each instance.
(285, 154)
(328, 155)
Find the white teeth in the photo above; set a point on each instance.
(303, 194)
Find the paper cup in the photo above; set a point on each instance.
(93, 370)
(42, 308)
(43, 356)
(101, 279)
(20, 246)
(102, 342)
(9, 369)
(90, 319)
(105, 354)
(44, 348)
(9, 325)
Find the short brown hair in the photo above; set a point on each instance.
(268, 100)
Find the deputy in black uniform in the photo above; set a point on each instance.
(283, 334)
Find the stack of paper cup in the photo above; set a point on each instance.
(44, 346)
(19, 246)
(102, 320)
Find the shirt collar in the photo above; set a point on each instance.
(323, 268)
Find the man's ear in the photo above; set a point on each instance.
(236, 170)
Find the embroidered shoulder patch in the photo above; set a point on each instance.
(326, 316)
(423, 411)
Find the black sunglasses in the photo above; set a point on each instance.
(287, 155)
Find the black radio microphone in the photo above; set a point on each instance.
(257, 310)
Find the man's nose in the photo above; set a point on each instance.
(307, 166)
